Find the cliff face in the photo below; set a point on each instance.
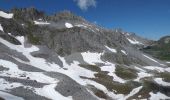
(63, 56)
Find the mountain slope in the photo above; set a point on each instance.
(65, 57)
(160, 49)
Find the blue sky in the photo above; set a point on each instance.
(147, 18)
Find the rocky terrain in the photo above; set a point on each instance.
(65, 57)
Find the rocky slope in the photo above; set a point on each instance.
(65, 57)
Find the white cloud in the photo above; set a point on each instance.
(85, 4)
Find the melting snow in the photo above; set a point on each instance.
(133, 92)
(158, 96)
(159, 69)
(6, 15)
(68, 25)
(92, 58)
(80, 25)
(49, 92)
(141, 74)
(150, 58)
(153, 60)
(15, 72)
(134, 41)
(124, 52)
(41, 23)
(4, 85)
(111, 69)
(1, 28)
(161, 82)
(111, 49)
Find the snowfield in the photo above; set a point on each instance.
(6, 15)
(68, 25)
(73, 70)
(92, 58)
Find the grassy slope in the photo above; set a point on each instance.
(160, 50)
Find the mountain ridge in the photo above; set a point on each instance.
(69, 58)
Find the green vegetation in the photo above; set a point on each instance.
(160, 50)
(126, 73)
(103, 78)
(165, 76)
(119, 88)
(32, 38)
(90, 67)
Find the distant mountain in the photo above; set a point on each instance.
(65, 57)
(160, 49)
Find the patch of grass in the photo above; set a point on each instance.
(160, 50)
(165, 76)
(125, 73)
(91, 67)
(119, 88)
(33, 39)
(150, 86)
(100, 94)
(97, 92)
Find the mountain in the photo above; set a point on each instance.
(159, 49)
(65, 57)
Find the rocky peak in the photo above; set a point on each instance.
(27, 13)
(66, 15)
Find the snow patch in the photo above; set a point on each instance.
(92, 58)
(161, 82)
(49, 92)
(111, 49)
(141, 74)
(15, 72)
(153, 60)
(6, 15)
(159, 69)
(158, 96)
(68, 25)
(81, 25)
(4, 85)
(124, 52)
(133, 92)
(150, 58)
(111, 69)
(1, 28)
(41, 23)
(134, 41)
